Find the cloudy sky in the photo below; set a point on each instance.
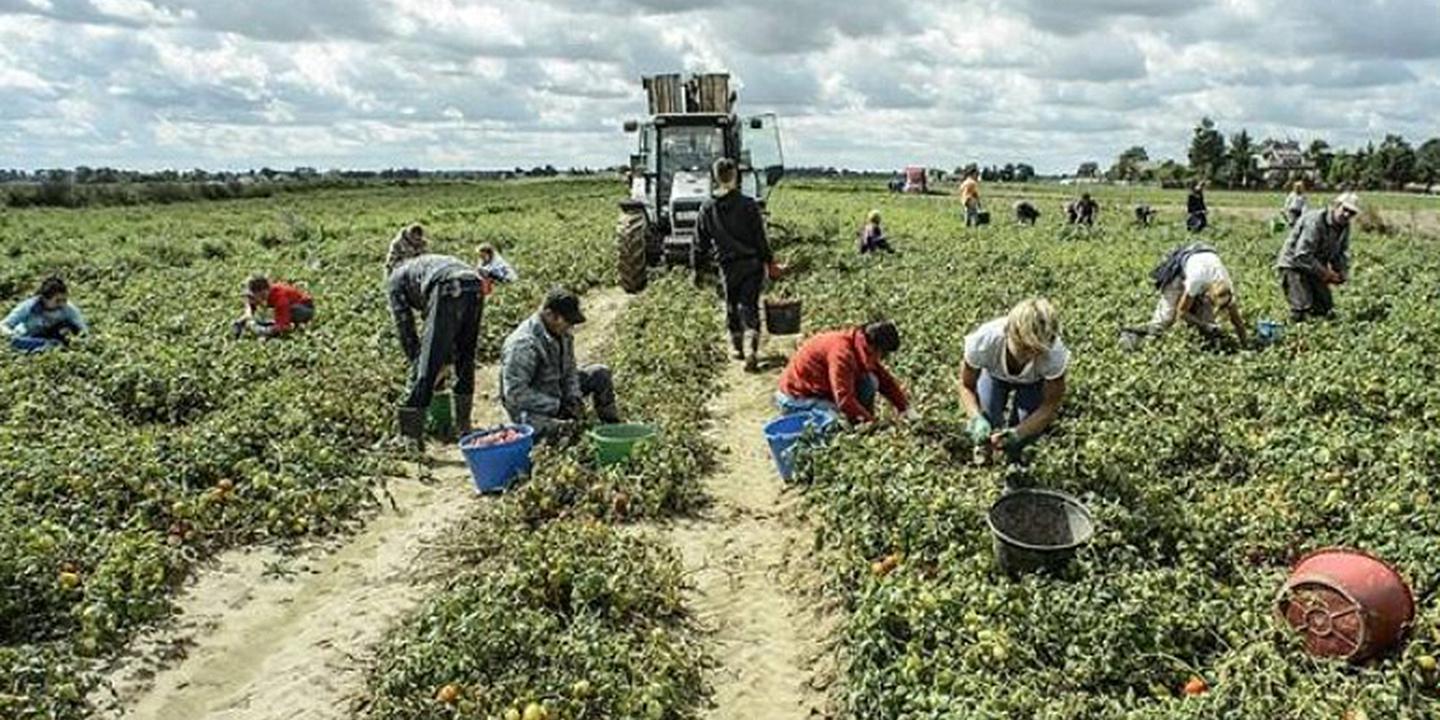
(875, 84)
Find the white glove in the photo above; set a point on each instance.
(911, 414)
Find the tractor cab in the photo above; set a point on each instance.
(692, 125)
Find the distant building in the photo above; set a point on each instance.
(1283, 161)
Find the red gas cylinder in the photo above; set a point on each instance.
(1347, 603)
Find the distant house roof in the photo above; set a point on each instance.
(1282, 155)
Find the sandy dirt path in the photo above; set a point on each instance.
(253, 644)
(748, 559)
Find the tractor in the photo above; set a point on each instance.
(692, 124)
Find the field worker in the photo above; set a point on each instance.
(1194, 286)
(872, 235)
(841, 371)
(1295, 203)
(290, 307)
(1144, 215)
(492, 268)
(408, 243)
(970, 196)
(1197, 214)
(540, 384)
(1315, 256)
(731, 232)
(1084, 211)
(1020, 356)
(47, 316)
(447, 291)
(1026, 213)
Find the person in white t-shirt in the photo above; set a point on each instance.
(1197, 294)
(1295, 203)
(1018, 357)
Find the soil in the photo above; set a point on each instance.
(264, 635)
(748, 559)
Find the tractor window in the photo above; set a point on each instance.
(690, 148)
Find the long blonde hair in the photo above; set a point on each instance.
(1221, 293)
(1032, 326)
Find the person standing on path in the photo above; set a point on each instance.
(1019, 355)
(730, 232)
(1194, 286)
(408, 243)
(841, 371)
(1315, 256)
(970, 196)
(540, 384)
(290, 306)
(1295, 203)
(1197, 215)
(447, 290)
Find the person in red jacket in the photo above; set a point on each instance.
(841, 371)
(289, 306)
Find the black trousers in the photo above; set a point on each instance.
(743, 281)
(452, 330)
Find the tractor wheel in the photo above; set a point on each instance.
(631, 232)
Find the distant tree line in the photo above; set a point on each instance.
(1241, 162)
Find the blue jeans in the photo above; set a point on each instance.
(866, 389)
(995, 396)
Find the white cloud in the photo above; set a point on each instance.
(472, 83)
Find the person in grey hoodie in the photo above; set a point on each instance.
(540, 384)
(731, 232)
(1316, 255)
(447, 290)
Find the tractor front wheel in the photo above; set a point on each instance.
(631, 233)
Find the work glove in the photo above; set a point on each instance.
(979, 430)
(911, 414)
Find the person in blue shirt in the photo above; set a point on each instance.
(46, 316)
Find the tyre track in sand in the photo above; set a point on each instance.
(251, 645)
(749, 562)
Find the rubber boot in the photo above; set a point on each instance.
(412, 424)
(463, 405)
(737, 341)
(752, 362)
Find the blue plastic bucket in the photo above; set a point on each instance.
(29, 344)
(1269, 332)
(494, 467)
(784, 432)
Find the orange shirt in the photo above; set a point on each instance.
(970, 190)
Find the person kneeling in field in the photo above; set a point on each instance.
(47, 317)
(290, 308)
(1019, 355)
(1194, 286)
(493, 268)
(872, 236)
(1026, 213)
(447, 290)
(540, 384)
(1145, 215)
(1315, 256)
(841, 371)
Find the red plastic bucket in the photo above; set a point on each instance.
(1347, 604)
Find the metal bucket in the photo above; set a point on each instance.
(1037, 529)
(1347, 604)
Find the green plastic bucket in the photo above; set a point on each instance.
(614, 443)
(441, 419)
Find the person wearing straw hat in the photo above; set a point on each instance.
(540, 384)
(1316, 256)
(1019, 356)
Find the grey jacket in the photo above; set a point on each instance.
(1315, 242)
(409, 288)
(537, 370)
